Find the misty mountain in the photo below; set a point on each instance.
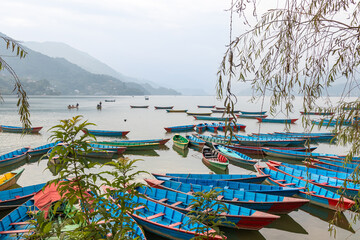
(82, 59)
(48, 75)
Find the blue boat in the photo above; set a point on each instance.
(350, 189)
(162, 220)
(206, 106)
(235, 216)
(115, 149)
(257, 201)
(41, 150)
(17, 196)
(184, 128)
(245, 178)
(211, 127)
(209, 140)
(274, 120)
(339, 164)
(262, 141)
(329, 167)
(233, 155)
(106, 133)
(200, 128)
(317, 195)
(250, 187)
(318, 171)
(315, 136)
(294, 155)
(14, 157)
(14, 129)
(207, 118)
(16, 223)
(195, 141)
(253, 113)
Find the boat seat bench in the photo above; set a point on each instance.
(175, 224)
(19, 223)
(15, 231)
(155, 216)
(177, 203)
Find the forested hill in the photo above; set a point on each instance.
(41, 74)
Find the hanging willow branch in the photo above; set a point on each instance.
(22, 103)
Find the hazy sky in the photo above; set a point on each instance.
(179, 43)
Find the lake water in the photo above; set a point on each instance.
(311, 222)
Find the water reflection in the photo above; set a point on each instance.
(181, 152)
(215, 169)
(197, 149)
(148, 153)
(287, 223)
(243, 165)
(327, 215)
(232, 234)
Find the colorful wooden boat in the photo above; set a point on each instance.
(259, 150)
(13, 129)
(10, 178)
(220, 108)
(249, 187)
(130, 145)
(180, 141)
(317, 113)
(17, 222)
(139, 106)
(213, 118)
(109, 100)
(339, 164)
(235, 216)
(205, 106)
(14, 157)
(240, 127)
(185, 128)
(253, 113)
(276, 120)
(195, 141)
(41, 150)
(209, 140)
(161, 141)
(251, 116)
(117, 150)
(158, 107)
(315, 194)
(315, 136)
(200, 128)
(98, 153)
(257, 201)
(321, 165)
(176, 110)
(198, 114)
(332, 184)
(162, 220)
(282, 136)
(212, 158)
(233, 155)
(106, 133)
(247, 178)
(211, 127)
(318, 171)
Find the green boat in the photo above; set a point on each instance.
(130, 145)
(180, 141)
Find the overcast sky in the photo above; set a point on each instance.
(179, 43)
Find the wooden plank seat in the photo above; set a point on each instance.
(163, 200)
(289, 184)
(139, 207)
(155, 216)
(188, 208)
(16, 231)
(235, 199)
(175, 224)
(177, 203)
(219, 197)
(19, 223)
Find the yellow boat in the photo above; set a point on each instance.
(10, 178)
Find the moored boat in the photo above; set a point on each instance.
(315, 194)
(248, 178)
(176, 110)
(117, 150)
(212, 127)
(109, 100)
(106, 133)
(14, 157)
(159, 107)
(184, 128)
(200, 128)
(251, 116)
(224, 111)
(195, 141)
(214, 159)
(253, 113)
(180, 141)
(10, 178)
(198, 114)
(162, 220)
(233, 155)
(139, 106)
(277, 120)
(259, 150)
(41, 149)
(206, 106)
(317, 113)
(335, 185)
(13, 129)
(130, 145)
(258, 201)
(235, 216)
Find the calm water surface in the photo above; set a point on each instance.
(311, 222)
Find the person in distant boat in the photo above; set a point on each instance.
(77, 105)
(100, 103)
(69, 106)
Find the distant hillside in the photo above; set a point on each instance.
(82, 59)
(48, 75)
